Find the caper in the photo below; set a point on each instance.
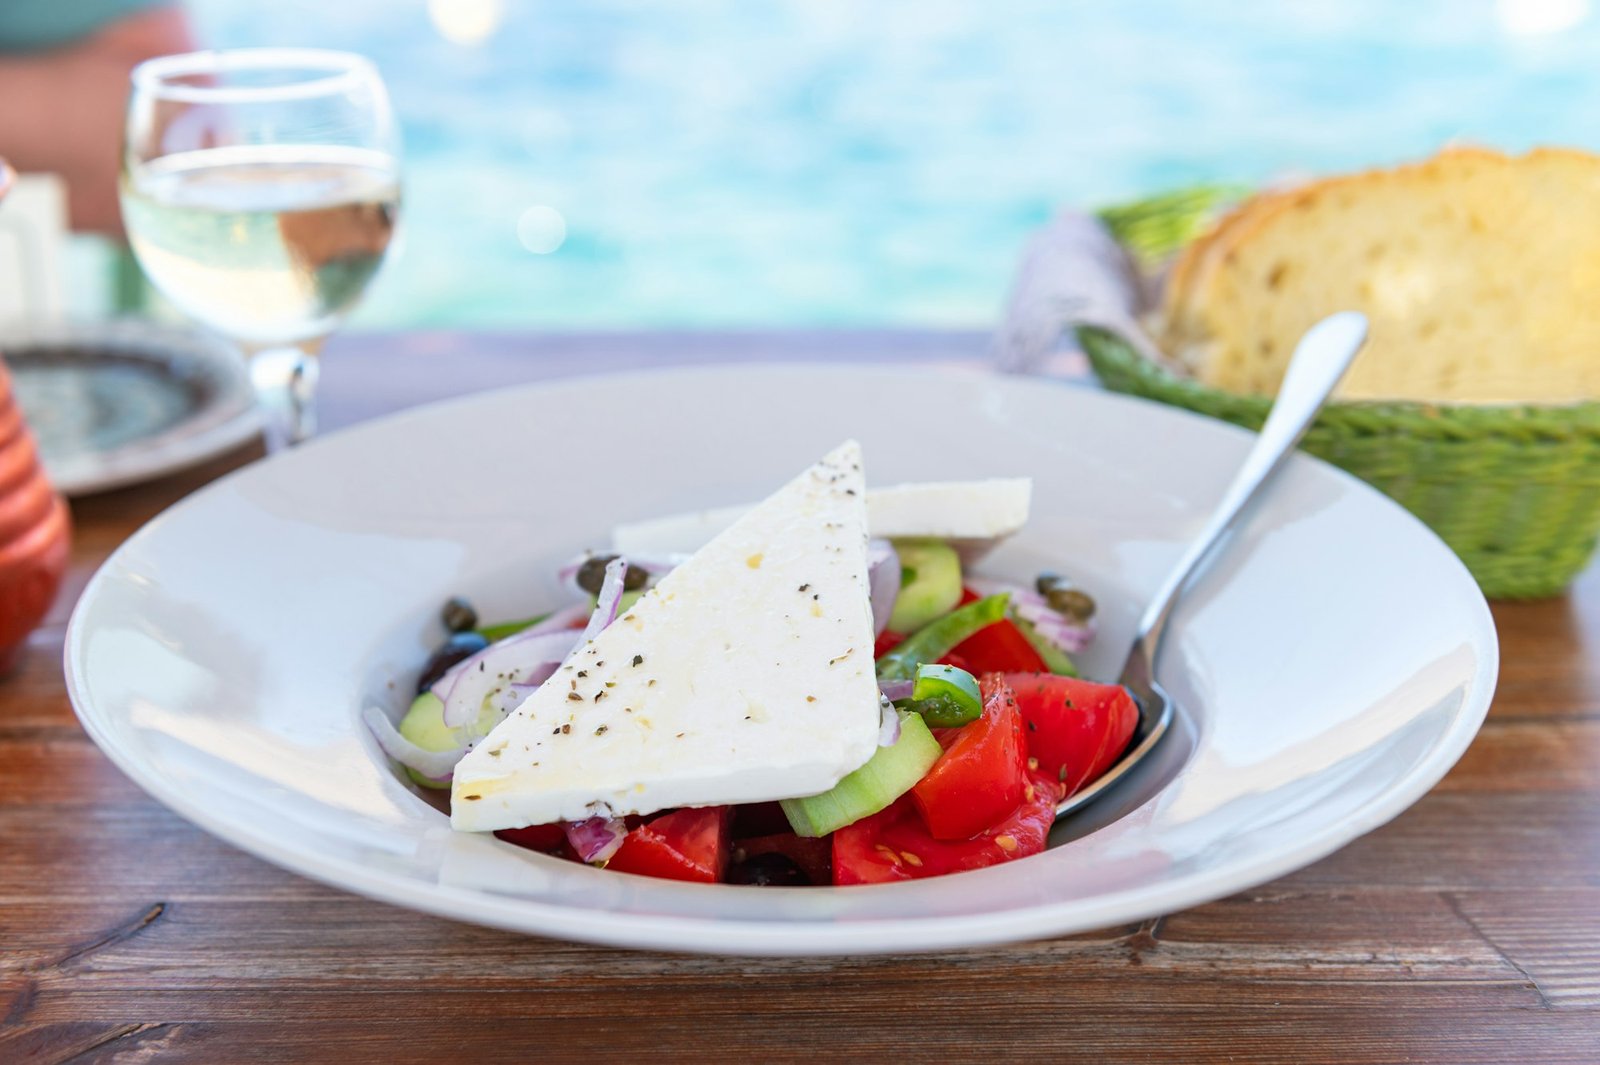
(458, 615)
(459, 646)
(592, 574)
(768, 870)
(1065, 597)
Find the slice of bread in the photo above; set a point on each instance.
(1199, 255)
(1480, 274)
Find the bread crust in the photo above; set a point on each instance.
(1457, 259)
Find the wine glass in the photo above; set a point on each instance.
(261, 190)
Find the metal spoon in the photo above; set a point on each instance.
(1320, 360)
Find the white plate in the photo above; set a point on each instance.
(119, 402)
(1334, 666)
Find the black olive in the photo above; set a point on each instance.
(768, 870)
(592, 574)
(1065, 597)
(458, 646)
(458, 615)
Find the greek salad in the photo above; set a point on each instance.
(814, 690)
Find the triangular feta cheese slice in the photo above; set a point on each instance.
(745, 675)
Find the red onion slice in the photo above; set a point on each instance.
(565, 618)
(1070, 636)
(513, 695)
(605, 606)
(597, 838)
(568, 573)
(435, 765)
(514, 660)
(1062, 632)
(888, 723)
(560, 621)
(883, 578)
(895, 690)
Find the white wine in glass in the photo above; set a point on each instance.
(260, 193)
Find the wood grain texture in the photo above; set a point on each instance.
(1467, 930)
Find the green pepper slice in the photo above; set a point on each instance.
(945, 696)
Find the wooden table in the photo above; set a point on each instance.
(1466, 930)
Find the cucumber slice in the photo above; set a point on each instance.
(889, 774)
(930, 583)
(424, 726)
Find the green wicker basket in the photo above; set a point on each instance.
(1514, 490)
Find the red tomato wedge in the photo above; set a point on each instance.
(997, 648)
(896, 845)
(1075, 728)
(979, 779)
(683, 845)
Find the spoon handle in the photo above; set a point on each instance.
(1320, 360)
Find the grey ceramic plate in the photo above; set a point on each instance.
(115, 403)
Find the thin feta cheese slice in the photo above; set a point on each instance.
(969, 512)
(745, 675)
(951, 510)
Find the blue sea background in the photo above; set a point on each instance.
(577, 164)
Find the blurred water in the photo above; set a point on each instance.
(830, 162)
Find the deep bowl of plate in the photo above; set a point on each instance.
(1330, 668)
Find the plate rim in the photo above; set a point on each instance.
(754, 937)
(228, 421)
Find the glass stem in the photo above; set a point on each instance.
(285, 381)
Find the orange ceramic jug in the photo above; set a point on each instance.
(34, 527)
